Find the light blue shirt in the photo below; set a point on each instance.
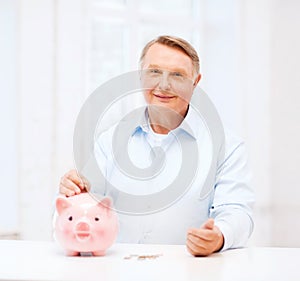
(229, 201)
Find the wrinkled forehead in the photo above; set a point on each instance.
(158, 50)
(168, 58)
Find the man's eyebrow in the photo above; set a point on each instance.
(180, 70)
(154, 66)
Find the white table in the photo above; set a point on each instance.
(28, 260)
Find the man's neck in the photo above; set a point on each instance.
(163, 120)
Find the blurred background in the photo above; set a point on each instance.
(54, 53)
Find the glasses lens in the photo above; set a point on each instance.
(152, 78)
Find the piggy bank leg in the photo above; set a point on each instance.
(99, 253)
(72, 253)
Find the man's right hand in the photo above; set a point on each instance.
(72, 183)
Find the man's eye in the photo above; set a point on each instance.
(177, 74)
(70, 218)
(156, 71)
(97, 219)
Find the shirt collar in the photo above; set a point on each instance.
(190, 124)
(143, 124)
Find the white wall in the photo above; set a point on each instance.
(9, 215)
(36, 103)
(51, 90)
(270, 85)
(254, 84)
(285, 126)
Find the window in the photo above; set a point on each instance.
(119, 29)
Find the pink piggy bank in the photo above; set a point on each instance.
(85, 224)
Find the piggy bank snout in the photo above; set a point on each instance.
(82, 231)
(83, 226)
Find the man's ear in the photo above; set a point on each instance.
(62, 204)
(197, 79)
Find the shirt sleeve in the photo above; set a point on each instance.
(234, 196)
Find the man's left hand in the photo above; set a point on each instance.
(205, 240)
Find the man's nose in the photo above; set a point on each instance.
(164, 83)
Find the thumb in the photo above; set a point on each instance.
(209, 224)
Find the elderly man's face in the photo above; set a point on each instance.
(169, 79)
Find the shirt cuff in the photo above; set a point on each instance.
(227, 234)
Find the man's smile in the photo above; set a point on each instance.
(162, 96)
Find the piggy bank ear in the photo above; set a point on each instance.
(106, 204)
(62, 204)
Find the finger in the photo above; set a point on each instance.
(86, 183)
(203, 234)
(196, 250)
(74, 177)
(70, 185)
(198, 241)
(190, 250)
(195, 243)
(201, 243)
(65, 191)
(209, 224)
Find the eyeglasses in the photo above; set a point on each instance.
(165, 79)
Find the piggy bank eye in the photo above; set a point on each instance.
(70, 218)
(97, 219)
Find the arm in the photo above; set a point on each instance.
(234, 197)
(231, 221)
